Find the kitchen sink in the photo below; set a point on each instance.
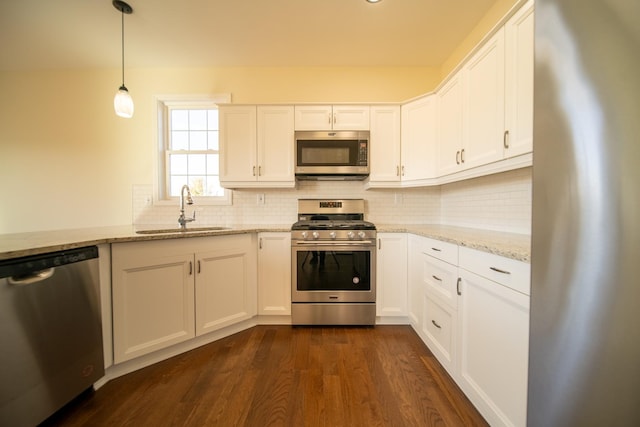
(178, 230)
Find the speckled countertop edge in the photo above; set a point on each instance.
(510, 245)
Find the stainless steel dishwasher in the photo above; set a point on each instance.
(50, 333)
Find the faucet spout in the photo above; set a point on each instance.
(185, 198)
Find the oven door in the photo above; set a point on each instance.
(333, 272)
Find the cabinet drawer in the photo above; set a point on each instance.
(444, 251)
(508, 272)
(438, 328)
(440, 278)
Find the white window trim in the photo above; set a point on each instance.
(161, 102)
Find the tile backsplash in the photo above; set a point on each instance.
(497, 202)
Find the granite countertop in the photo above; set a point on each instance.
(510, 245)
(38, 242)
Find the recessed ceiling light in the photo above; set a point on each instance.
(373, 1)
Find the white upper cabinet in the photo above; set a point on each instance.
(418, 140)
(384, 144)
(275, 144)
(449, 126)
(471, 104)
(485, 110)
(256, 146)
(332, 117)
(483, 104)
(519, 30)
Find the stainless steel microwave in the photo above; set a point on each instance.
(338, 155)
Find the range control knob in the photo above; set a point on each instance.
(316, 234)
(351, 235)
(361, 234)
(332, 234)
(304, 234)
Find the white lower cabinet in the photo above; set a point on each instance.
(493, 338)
(166, 292)
(475, 320)
(225, 283)
(274, 273)
(391, 275)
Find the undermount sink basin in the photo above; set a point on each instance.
(178, 230)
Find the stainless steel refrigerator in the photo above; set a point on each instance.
(584, 359)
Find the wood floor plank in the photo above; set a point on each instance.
(285, 376)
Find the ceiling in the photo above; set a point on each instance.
(63, 34)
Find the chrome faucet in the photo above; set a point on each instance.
(182, 220)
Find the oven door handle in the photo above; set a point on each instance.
(337, 243)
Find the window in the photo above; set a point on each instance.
(188, 148)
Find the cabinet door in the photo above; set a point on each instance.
(418, 139)
(225, 284)
(275, 144)
(274, 274)
(153, 304)
(483, 104)
(391, 275)
(439, 330)
(313, 117)
(449, 126)
(351, 117)
(519, 82)
(384, 146)
(238, 143)
(493, 344)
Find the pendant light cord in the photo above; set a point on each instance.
(122, 26)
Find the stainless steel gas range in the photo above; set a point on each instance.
(333, 264)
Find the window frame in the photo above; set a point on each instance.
(164, 103)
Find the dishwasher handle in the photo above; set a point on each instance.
(35, 277)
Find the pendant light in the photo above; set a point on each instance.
(123, 103)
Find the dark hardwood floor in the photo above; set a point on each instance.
(285, 376)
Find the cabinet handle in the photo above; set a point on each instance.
(199, 269)
(436, 249)
(505, 139)
(499, 270)
(458, 286)
(254, 171)
(397, 170)
(457, 157)
(437, 278)
(190, 268)
(260, 243)
(462, 155)
(436, 324)
(379, 243)
(402, 170)
(259, 170)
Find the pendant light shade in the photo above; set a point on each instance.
(123, 103)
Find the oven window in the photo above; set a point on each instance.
(333, 270)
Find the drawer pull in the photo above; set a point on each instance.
(458, 286)
(499, 271)
(436, 324)
(437, 278)
(436, 249)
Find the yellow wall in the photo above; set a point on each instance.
(67, 161)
